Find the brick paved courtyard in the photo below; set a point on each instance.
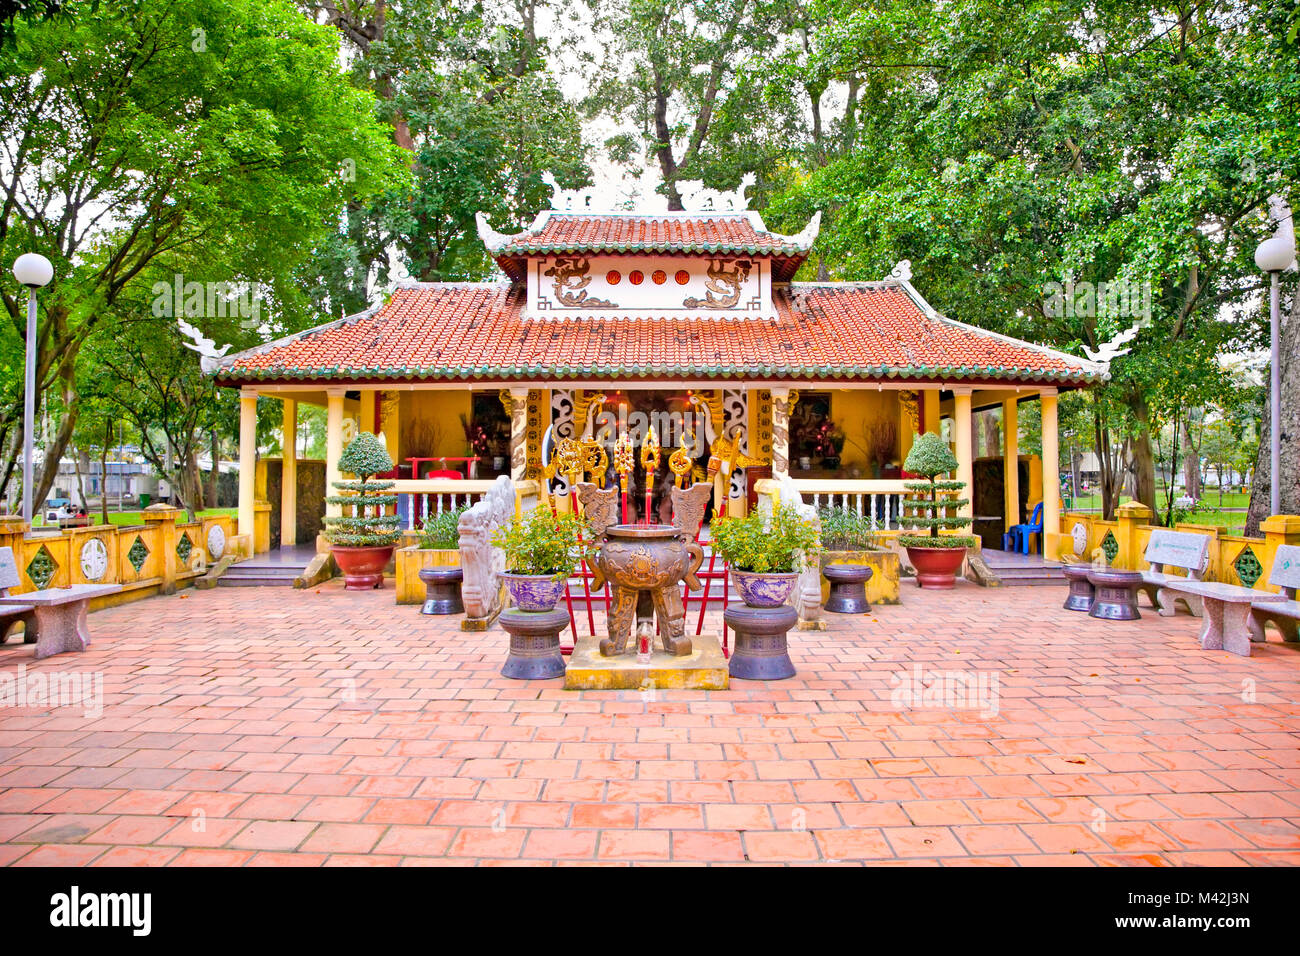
(270, 726)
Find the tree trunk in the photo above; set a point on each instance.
(1144, 460)
(1289, 451)
(103, 468)
(214, 476)
(1191, 464)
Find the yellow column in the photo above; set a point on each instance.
(368, 398)
(247, 459)
(1129, 517)
(289, 474)
(1278, 530)
(1051, 477)
(961, 431)
(333, 443)
(930, 416)
(1011, 461)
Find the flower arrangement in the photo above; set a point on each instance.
(476, 437)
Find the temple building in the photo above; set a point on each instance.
(685, 329)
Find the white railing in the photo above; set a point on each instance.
(877, 499)
(417, 499)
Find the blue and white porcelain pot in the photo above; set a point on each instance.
(534, 592)
(764, 590)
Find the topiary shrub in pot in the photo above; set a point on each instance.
(542, 550)
(362, 537)
(766, 552)
(936, 557)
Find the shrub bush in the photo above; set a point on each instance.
(766, 544)
(364, 522)
(931, 457)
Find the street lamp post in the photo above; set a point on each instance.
(34, 271)
(1273, 256)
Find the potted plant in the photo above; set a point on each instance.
(440, 538)
(362, 537)
(543, 549)
(853, 560)
(936, 558)
(766, 553)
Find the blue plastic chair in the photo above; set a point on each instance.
(1017, 539)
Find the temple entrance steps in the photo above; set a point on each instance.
(1013, 569)
(277, 568)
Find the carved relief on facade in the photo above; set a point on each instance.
(724, 285)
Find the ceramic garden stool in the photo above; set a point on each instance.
(442, 590)
(848, 588)
(534, 643)
(1116, 594)
(761, 652)
(1081, 590)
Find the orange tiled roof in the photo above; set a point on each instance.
(698, 233)
(823, 331)
(717, 233)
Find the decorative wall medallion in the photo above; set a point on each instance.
(184, 547)
(1248, 568)
(41, 568)
(636, 277)
(682, 277)
(138, 554)
(571, 275)
(1109, 547)
(1080, 534)
(94, 559)
(726, 278)
(659, 277)
(216, 542)
(613, 277)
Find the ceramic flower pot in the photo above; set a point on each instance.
(936, 567)
(764, 590)
(363, 568)
(534, 592)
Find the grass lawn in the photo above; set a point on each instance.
(134, 517)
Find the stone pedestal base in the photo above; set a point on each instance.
(761, 652)
(1116, 594)
(704, 668)
(848, 588)
(442, 590)
(534, 644)
(1081, 590)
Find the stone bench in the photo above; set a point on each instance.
(1178, 549)
(1227, 610)
(14, 613)
(1285, 613)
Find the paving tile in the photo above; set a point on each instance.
(1115, 745)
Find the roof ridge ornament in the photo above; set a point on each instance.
(805, 237)
(696, 197)
(491, 238)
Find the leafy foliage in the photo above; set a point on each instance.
(778, 543)
(843, 529)
(545, 543)
(365, 522)
(931, 457)
(365, 455)
(442, 531)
